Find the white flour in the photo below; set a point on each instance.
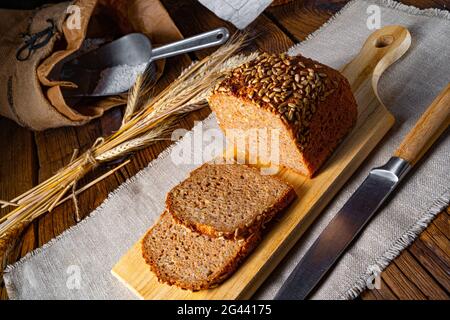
(112, 80)
(118, 79)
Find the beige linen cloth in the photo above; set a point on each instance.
(90, 249)
(239, 12)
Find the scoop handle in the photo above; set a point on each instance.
(434, 121)
(201, 41)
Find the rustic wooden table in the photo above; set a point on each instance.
(421, 272)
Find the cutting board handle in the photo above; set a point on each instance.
(381, 49)
(433, 122)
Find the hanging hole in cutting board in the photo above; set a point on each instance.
(384, 41)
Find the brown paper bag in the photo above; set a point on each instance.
(32, 43)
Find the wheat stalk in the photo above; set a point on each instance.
(145, 121)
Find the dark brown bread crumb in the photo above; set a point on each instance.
(311, 103)
(229, 200)
(190, 260)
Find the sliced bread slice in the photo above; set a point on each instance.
(228, 200)
(190, 260)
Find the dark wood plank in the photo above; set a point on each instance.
(420, 277)
(438, 240)
(442, 222)
(403, 287)
(384, 293)
(437, 243)
(432, 259)
(300, 18)
(369, 295)
(18, 160)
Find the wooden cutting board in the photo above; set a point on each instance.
(381, 49)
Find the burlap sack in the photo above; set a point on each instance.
(32, 43)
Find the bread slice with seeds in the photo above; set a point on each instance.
(190, 260)
(228, 200)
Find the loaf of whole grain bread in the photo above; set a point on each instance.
(228, 199)
(309, 104)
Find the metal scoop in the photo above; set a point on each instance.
(131, 50)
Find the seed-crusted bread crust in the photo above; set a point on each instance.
(182, 257)
(311, 102)
(228, 200)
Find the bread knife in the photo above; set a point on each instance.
(366, 200)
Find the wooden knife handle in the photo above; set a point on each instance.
(430, 126)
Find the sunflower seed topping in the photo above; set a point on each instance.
(291, 87)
